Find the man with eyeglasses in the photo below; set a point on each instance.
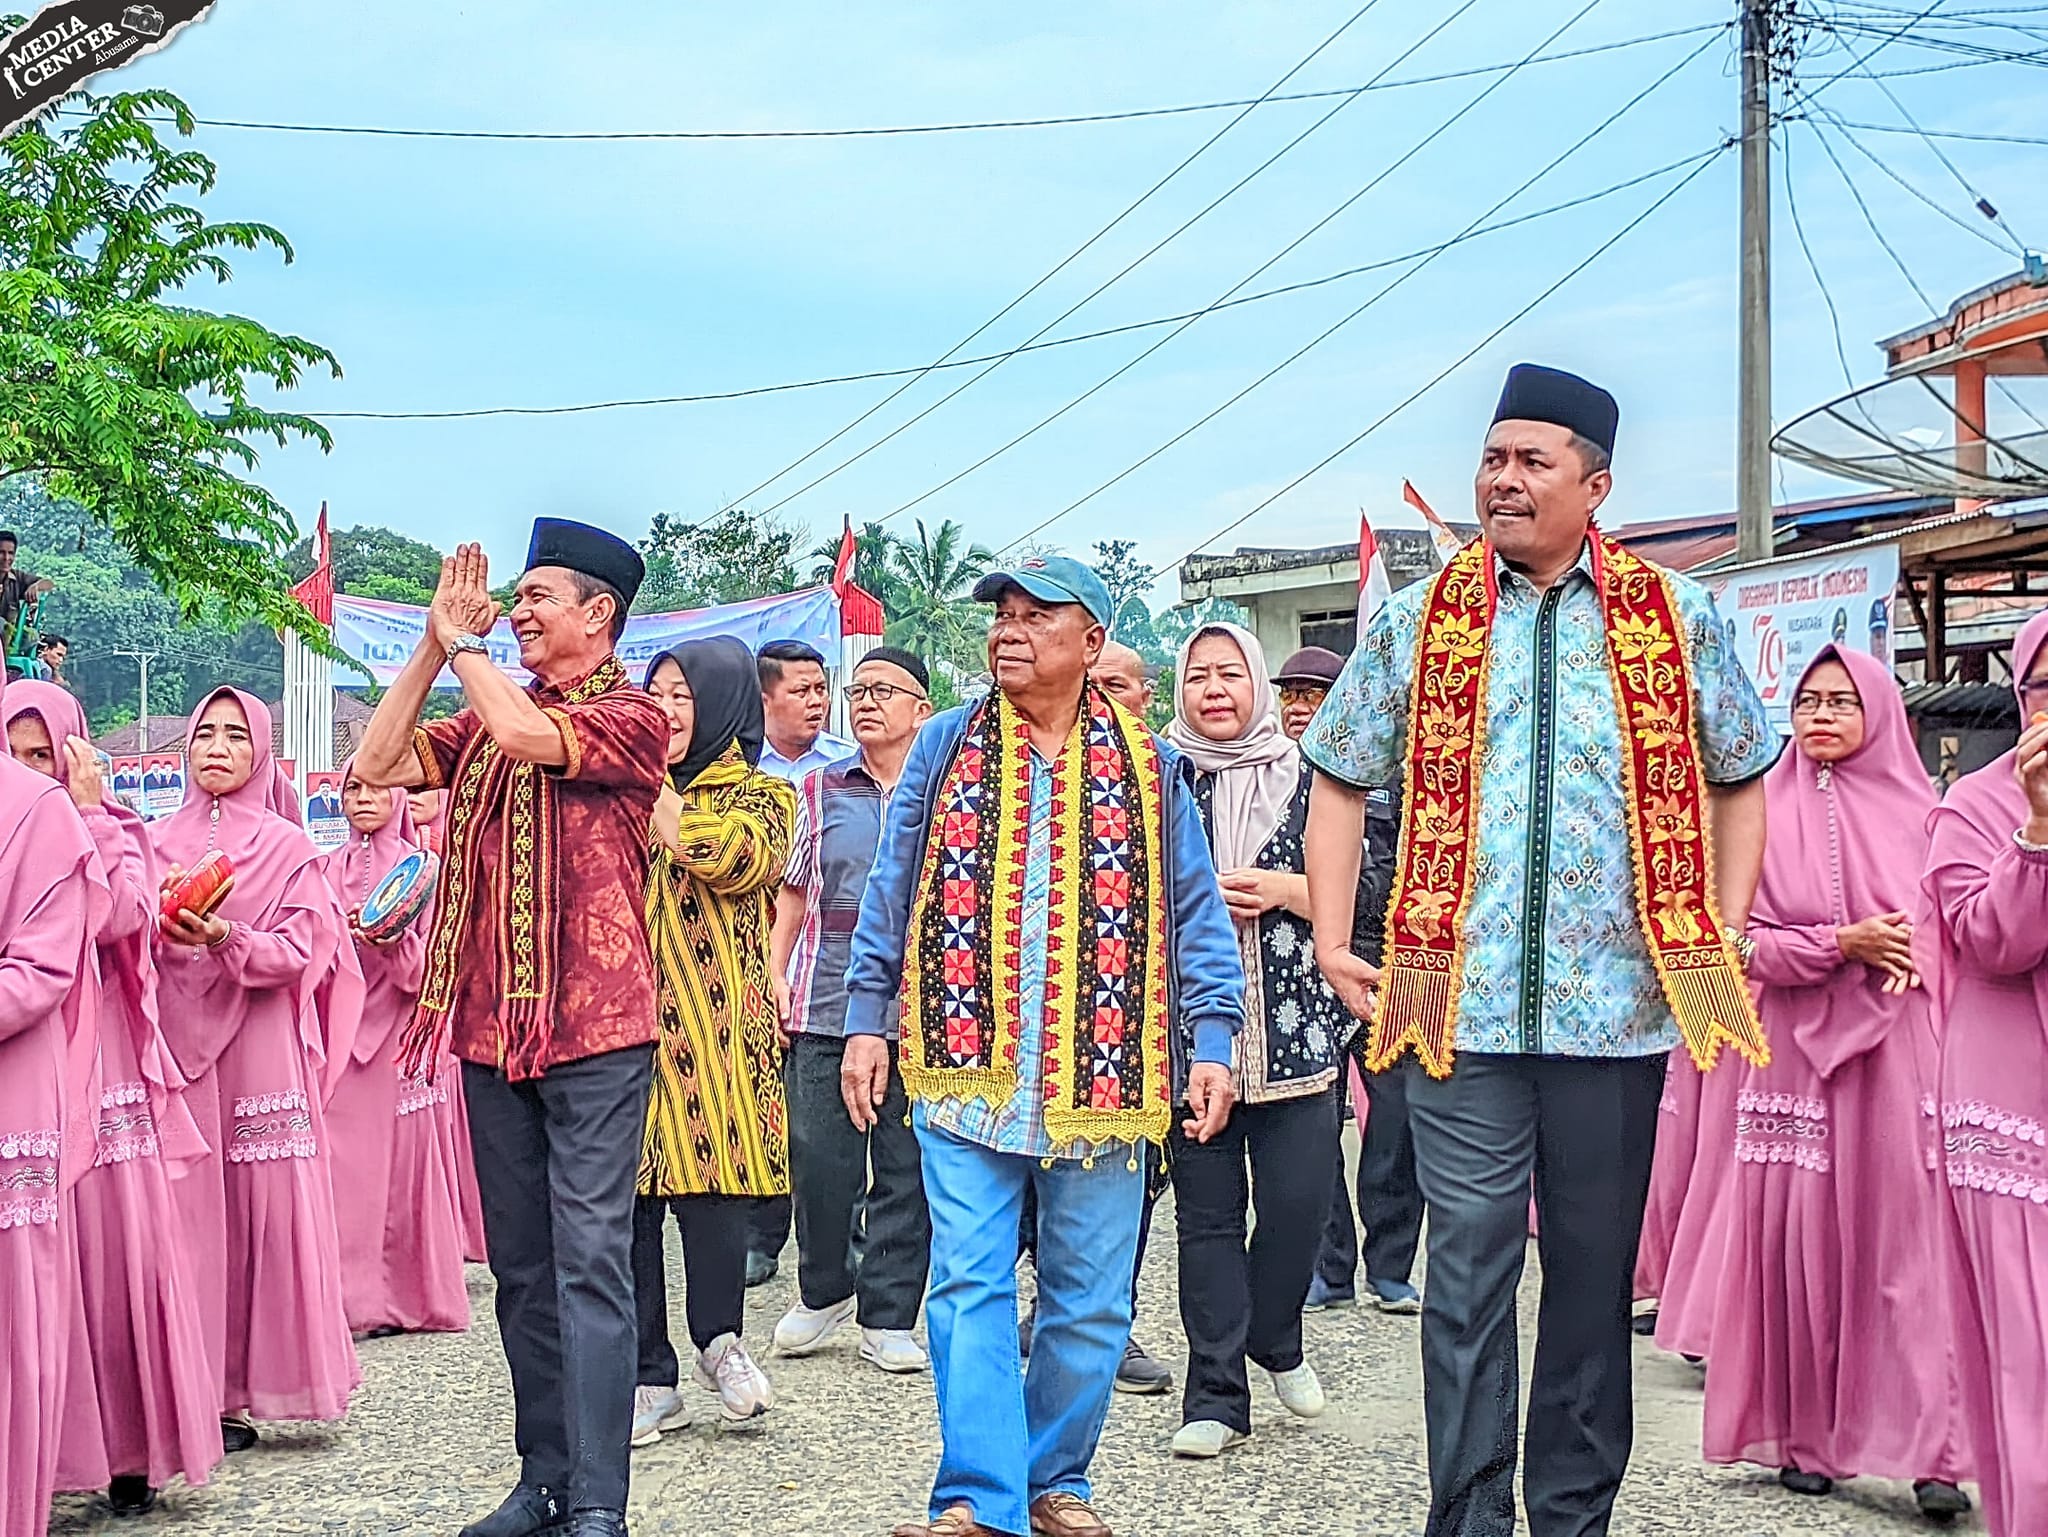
(838, 1170)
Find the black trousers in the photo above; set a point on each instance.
(1389, 1199)
(556, 1161)
(833, 1170)
(714, 1231)
(1585, 1129)
(1242, 1301)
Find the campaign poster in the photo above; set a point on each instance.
(125, 783)
(1781, 613)
(163, 784)
(326, 825)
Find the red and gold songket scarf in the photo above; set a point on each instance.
(525, 902)
(1662, 784)
(1104, 1023)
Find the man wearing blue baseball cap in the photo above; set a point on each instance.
(1044, 904)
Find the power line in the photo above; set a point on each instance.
(1983, 203)
(1813, 266)
(1301, 352)
(1102, 288)
(1938, 133)
(1484, 342)
(1058, 267)
(1127, 328)
(984, 125)
(1101, 384)
(1954, 218)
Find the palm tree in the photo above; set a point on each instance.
(931, 613)
(873, 549)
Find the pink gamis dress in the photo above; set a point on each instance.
(53, 901)
(140, 1398)
(396, 1207)
(1829, 1347)
(454, 1113)
(1991, 899)
(261, 1025)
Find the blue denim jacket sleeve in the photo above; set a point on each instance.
(1208, 972)
(874, 972)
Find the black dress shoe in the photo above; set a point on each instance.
(237, 1436)
(384, 1332)
(1940, 1501)
(761, 1269)
(596, 1523)
(1644, 1325)
(131, 1495)
(528, 1511)
(1801, 1482)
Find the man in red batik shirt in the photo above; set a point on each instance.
(538, 967)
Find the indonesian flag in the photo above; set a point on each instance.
(842, 567)
(1373, 586)
(1447, 543)
(860, 611)
(317, 590)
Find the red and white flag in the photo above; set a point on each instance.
(317, 590)
(1373, 586)
(1447, 543)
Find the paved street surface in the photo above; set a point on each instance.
(850, 1451)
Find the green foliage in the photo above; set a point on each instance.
(1126, 577)
(723, 559)
(118, 397)
(1176, 624)
(372, 562)
(932, 614)
(874, 552)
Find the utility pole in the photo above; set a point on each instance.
(144, 658)
(1753, 409)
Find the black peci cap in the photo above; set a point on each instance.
(1534, 393)
(592, 551)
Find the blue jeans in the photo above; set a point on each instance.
(1010, 1434)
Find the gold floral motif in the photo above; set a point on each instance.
(1667, 819)
(1458, 636)
(1675, 918)
(1424, 914)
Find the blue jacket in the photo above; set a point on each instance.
(1205, 978)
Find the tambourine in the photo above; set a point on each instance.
(204, 887)
(400, 897)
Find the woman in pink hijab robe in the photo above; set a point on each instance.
(53, 900)
(139, 1406)
(427, 807)
(1830, 1356)
(260, 1004)
(401, 1243)
(1987, 883)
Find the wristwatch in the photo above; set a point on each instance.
(1744, 948)
(463, 643)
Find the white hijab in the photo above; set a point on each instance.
(1256, 773)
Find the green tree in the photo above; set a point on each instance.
(372, 562)
(1126, 576)
(721, 559)
(933, 615)
(117, 393)
(874, 550)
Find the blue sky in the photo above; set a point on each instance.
(453, 275)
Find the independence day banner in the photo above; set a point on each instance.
(378, 637)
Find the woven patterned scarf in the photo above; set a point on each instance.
(1662, 784)
(524, 902)
(1106, 1060)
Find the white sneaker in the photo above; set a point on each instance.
(743, 1389)
(803, 1329)
(656, 1410)
(894, 1350)
(1206, 1438)
(1300, 1391)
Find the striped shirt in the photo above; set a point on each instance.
(838, 825)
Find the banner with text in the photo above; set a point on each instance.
(326, 824)
(379, 636)
(1780, 615)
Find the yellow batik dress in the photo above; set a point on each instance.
(717, 1122)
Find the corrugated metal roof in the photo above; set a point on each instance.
(1986, 704)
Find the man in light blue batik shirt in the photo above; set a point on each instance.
(1562, 1025)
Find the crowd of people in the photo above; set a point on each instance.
(1751, 1035)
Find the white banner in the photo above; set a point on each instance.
(1779, 615)
(380, 637)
